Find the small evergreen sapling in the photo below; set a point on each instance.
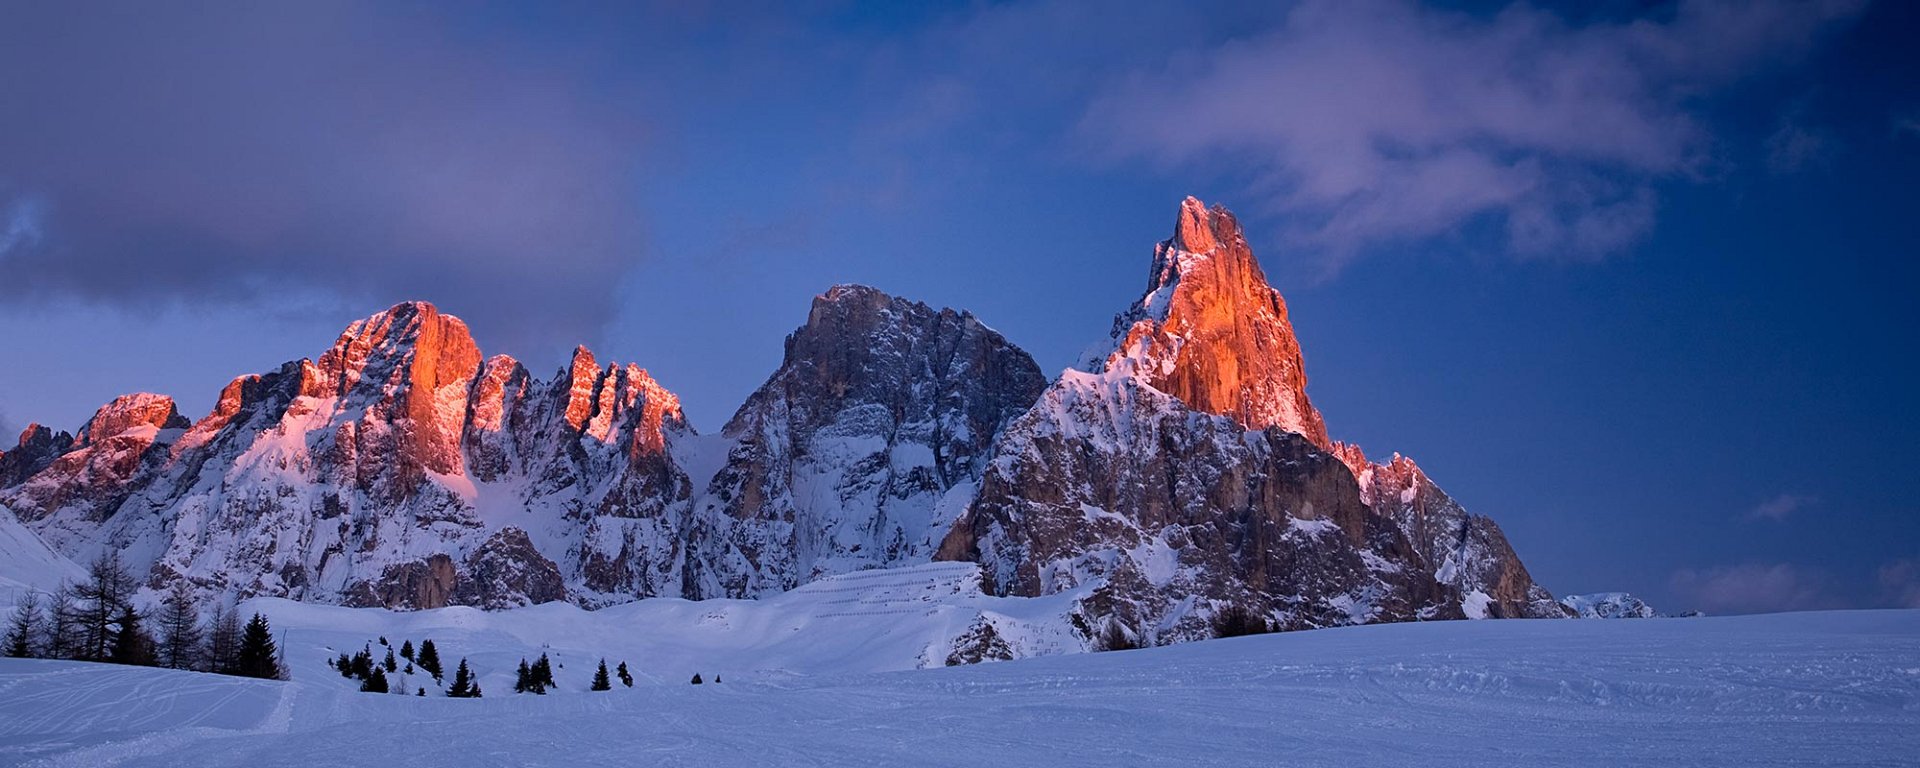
(625, 678)
(464, 686)
(600, 681)
(696, 678)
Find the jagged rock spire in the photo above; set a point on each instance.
(1211, 331)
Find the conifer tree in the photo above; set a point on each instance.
(344, 664)
(23, 631)
(131, 644)
(429, 659)
(258, 656)
(463, 683)
(716, 679)
(420, 692)
(223, 640)
(376, 682)
(542, 675)
(523, 679)
(180, 628)
(362, 663)
(625, 678)
(406, 650)
(391, 664)
(600, 681)
(696, 678)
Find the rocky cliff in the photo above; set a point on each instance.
(1185, 473)
(861, 450)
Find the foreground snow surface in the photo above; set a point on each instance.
(1840, 688)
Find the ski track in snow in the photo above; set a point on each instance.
(1840, 688)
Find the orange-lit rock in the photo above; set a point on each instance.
(1212, 332)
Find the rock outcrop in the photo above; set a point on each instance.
(1467, 552)
(37, 448)
(863, 447)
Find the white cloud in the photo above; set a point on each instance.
(1781, 507)
(1378, 121)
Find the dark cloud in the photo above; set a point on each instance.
(1754, 588)
(156, 154)
(1380, 121)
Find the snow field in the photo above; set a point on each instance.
(1838, 688)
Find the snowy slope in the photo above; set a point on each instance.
(1839, 688)
(26, 562)
(875, 621)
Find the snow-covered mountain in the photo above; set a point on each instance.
(403, 470)
(397, 470)
(1186, 472)
(1608, 605)
(862, 449)
(1182, 472)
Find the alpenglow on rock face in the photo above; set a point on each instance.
(401, 469)
(1180, 473)
(1211, 331)
(1186, 472)
(397, 470)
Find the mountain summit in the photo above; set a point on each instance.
(1185, 476)
(1211, 331)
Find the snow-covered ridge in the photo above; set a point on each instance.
(1608, 605)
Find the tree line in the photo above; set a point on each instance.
(96, 620)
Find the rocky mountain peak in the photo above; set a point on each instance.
(37, 448)
(130, 412)
(1211, 331)
(862, 447)
(413, 341)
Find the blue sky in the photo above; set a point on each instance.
(1634, 279)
